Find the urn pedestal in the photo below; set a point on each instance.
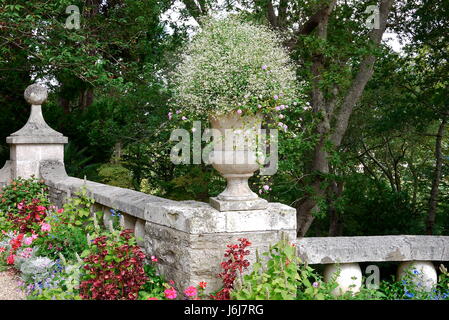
(237, 156)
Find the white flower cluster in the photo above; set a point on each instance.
(233, 65)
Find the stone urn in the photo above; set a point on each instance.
(237, 155)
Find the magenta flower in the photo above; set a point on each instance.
(191, 291)
(170, 293)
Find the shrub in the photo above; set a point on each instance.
(276, 280)
(233, 65)
(113, 268)
(69, 227)
(37, 269)
(22, 190)
(29, 217)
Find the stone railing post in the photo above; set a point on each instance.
(36, 141)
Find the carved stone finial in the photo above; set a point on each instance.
(35, 94)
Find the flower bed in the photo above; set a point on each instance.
(64, 253)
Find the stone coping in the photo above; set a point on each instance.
(192, 217)
(325, 250)
(33, 139)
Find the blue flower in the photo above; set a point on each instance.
(409, 294)
(415, 271)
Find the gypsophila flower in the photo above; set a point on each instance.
(232, 64)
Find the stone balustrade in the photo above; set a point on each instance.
(345, 254)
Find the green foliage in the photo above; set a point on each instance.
(70, 226)
(274, 280)
(155, 285)
(22, 190)
(115, 175)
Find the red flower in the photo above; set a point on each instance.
(203, 285)
(10, 259)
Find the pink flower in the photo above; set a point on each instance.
(45, 227)
(170, 114)
(266, 187)
(152, 298)
(264, 67)
(2, 249)
(191, 291)
(239, 111)
(60, 210)
(20, 206)
(153, 258)
(41, 208)
(276, 97)
(171, 282)
(28, 240)
(259, 106)
(170, 293)
(34, 236)
(184, 118)
(278, 108)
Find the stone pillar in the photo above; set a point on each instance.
(349, 277)
(423, 273)
(36, 141)
(189, 238)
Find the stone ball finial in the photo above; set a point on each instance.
(35, 94)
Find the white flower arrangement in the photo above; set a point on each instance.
(233, 66)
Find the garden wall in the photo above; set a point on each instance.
(188, 237)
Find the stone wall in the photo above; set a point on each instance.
(188, 237)
(325, 250)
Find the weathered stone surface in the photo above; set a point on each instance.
(188, 237)
(223, 205)
(200, 218)
(125, 200)
(188, 259)
(35, 94)
(373, 249)
(5, 174)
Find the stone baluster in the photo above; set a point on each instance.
(349, 277)
(424, 274)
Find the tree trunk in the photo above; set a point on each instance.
(336, 223)
(434, 192)
(320, 162)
